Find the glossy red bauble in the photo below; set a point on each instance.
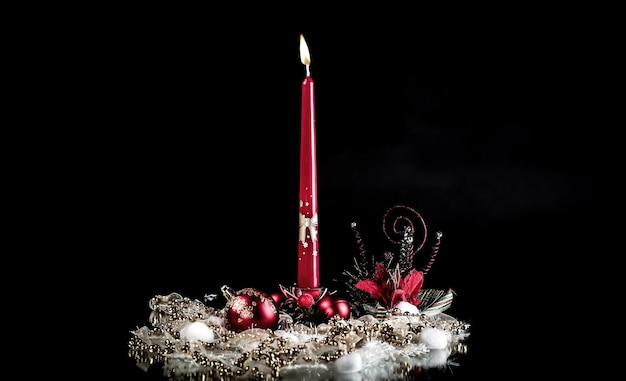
(342, 308)
(331, 307)
(278, 297)
(251, 308)
(326, 305)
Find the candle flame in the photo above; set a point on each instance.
(305, 56)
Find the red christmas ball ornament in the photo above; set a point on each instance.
(331, 307)
(250, 308)
(278, 297)
(342, 308)
(326, 305)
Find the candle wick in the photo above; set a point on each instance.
(308, 71)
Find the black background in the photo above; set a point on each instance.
(478, 120)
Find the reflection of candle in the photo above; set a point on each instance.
(308, 243)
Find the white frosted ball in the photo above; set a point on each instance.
(433, 338)
(197, 331)
(349, 363)
(436, 358)
(407, 307)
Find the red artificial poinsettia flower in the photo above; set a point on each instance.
(411, 285)
(390, 288)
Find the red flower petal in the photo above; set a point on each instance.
(370, 287)
(412, 284)
(397, 297)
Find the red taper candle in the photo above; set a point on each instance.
(308, 240)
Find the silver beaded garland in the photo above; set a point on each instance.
(272, 353)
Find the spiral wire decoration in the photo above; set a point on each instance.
(400, 222)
